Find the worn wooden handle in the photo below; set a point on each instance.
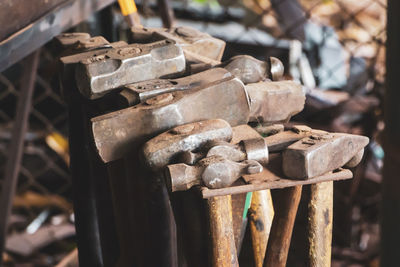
(221, 229)
(282, 226)
(261, 213)
(320, 224)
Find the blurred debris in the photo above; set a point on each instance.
(25, 244)
(299, 66)
(326, 55)
(59, 144)
(37, 222)
(31, 199)
(71, 260)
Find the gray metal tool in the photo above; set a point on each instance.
(272, 102)
(213, 172)
(98, 74)
(251, 70)
(251, 149)
(322, 153)
(197, 46)
(136, 93)
(161, 150)
(118, 132)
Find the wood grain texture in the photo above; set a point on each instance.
(261, 214)
(320, 215)
(282, 226)
(222, 238)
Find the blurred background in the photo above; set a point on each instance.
(336, 48)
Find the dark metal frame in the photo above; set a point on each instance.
(36, 34)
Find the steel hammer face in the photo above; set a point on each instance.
(191, 40)
(213, 172)
(251, 70)
(273, 102)
(322, 153)
(136, 93)
(164, 148)
(118, 132)
(250, 149)
(97, 75)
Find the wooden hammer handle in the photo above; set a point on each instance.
(282, 226)
(221, 228)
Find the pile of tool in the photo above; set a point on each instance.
(165, 106)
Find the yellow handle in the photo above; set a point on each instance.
(127, 7)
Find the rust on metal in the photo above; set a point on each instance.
(273, 102)
(159, 151)
(197, 46)
(97, 75)
(118, 132)
(249, 149)
(213, 172)
(272, 176)
(321, 153)
(251, 70)
(281, 140)
(136, 93)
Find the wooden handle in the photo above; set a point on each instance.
(129, 10)
(320, 224)
(261, 213)
(221, 229)
(282, 226)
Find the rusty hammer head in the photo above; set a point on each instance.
(322, 153)
(250, 149)
(272, 102)
(213, 172)
(161, 150)
(117, 132)
(197, 46)
(136, 93)
(251, 70)
(97, 75)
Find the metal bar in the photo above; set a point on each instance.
(390, 231)
(86, 223)
(274, 183)
(17, 143)
(36, 34)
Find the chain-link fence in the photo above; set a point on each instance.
(42, 170)
(336, 48)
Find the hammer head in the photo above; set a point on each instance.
(192, 41)
(275, 101)
(121, 131)
(97, 75)
(249, 149)
(136, 93)
(67, 40)
(213, 172)
(162, 149)
(321, 153)
(87, 48)
(251, 70)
